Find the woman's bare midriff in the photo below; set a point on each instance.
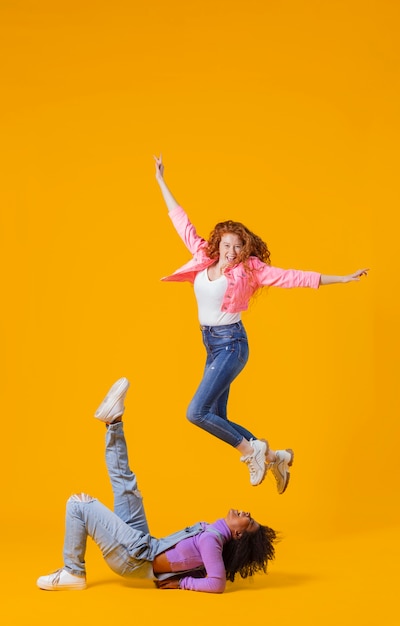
(161, 565)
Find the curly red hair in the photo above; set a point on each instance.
(252, 244)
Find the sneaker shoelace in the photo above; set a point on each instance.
(56, 576)
(251, 464)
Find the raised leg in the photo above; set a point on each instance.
(128, 503)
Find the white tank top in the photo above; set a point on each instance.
(209, 295)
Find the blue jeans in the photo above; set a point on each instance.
(123, 535)
(227, 354)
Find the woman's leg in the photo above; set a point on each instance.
(220, 408)
(221, 369)
(128, 503)
(123, 536)
(212, 393)
(279, 461)
(123, 547)
(227, 354)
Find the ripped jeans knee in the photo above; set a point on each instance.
(81, 497)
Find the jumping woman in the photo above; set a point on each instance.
(226, 270)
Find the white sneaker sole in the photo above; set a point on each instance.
(47, 583)
(118, 389)
(69, 587)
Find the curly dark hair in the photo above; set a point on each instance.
(253, 245)
(250, 553)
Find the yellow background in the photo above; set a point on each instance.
(280, 114)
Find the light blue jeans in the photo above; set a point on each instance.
(227, 354)
(123, 535)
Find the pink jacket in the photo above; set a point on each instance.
(241, 285)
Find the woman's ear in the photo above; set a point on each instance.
(238, 534)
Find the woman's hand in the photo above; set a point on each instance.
(167, 195)
(169, 583)
(355, 276)
(327, 279)
(159, 168)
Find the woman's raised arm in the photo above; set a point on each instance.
(167, 195)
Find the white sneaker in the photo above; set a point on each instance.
(61, 580)
(280, 468)
(113, 404)
(256, 461)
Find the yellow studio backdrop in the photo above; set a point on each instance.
(280, 114)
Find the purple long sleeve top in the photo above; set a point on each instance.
(202, 550)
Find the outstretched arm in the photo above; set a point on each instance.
(167, 195)
(327, 279)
